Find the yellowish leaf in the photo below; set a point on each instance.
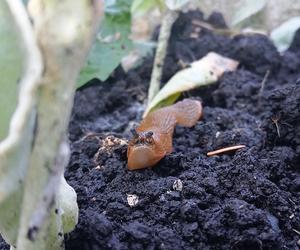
(205, 71)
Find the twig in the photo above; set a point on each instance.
(296, 231)
(275, 120)
(225, 150)
(263, 83)
(203, 24)
(219, 31)
(161, 51)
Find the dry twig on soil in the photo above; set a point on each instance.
(225, 150)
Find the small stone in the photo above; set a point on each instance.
(298, 242)
(194, 35)
(177, 185)
(132, 200)
(162, 198)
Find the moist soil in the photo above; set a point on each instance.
(248, 199)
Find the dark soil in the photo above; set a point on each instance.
(248, 199)
(244, 200)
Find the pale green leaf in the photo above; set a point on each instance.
(202, 72)
(283, 35)
(168, 101)
(13, 167)
(140, 7)
(145, 48)
(68, 201)
(10, 67)
(176, 4)
(246, 9)
(16, 147)
(112, 42)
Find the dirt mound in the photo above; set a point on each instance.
(244, 200)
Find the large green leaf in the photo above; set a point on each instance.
(283, 35)
(112, 42)
(205, 71)
(10, 67)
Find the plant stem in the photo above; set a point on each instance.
(16, 147)
(64, 50)
(161, 51)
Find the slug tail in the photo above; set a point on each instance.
(187, 112)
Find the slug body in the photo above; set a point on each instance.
(152, 140)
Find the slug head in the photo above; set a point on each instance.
(142, 152)
(143, 138)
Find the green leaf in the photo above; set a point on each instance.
(10, 67)
(112, 42)
(140, 7)
(202, 72)
(283, 35)
(246, 9)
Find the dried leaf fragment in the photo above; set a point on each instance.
(132, 200)
(177, 185)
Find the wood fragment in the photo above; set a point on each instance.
(225, 150)
(296, 231)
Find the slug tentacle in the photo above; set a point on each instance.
(134, 133)
(152, 140)
(149, 134)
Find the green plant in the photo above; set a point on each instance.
(40, 62)
(36, 204)
(112, 42)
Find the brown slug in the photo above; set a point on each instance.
(152, 140)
